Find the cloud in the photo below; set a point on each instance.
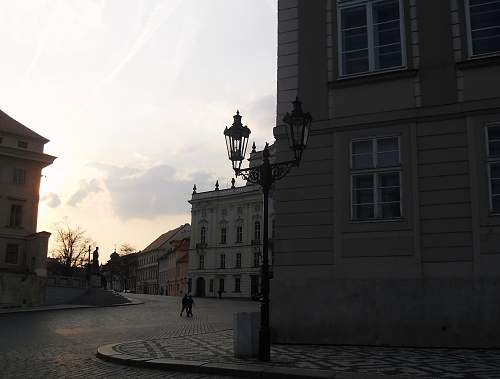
(151, 192)
(52, 200)
(86, 188)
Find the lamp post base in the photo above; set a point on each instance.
(264, 345)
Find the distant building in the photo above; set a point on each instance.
(23, 250)
(226, 242)
(131, 275)
(147, 259)
(389, 231)
(173, 268)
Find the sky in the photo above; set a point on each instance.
(134, 96)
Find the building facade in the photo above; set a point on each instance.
(147, 259)
(173, 269)
(23, 250)
(390, 228)
(226, 242)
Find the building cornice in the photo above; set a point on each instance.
(224, 193)
(42, 158)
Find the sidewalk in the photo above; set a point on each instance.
(213, 353)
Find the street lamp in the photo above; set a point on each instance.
(298, 125)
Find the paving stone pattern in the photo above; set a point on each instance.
(216, 347)
(63, 343)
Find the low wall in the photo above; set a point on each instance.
(447, 312)
(62, 295)
(21, 289)
(64, 289)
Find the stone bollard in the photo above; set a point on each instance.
(246, 334)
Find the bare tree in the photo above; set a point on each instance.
(71, 246)
(126, 248)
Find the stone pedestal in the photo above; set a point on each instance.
(246, 334)
(95, 281)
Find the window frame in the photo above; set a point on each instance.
(470, 48)
(238, 260)
(256, 259)
(239, 233)
(16, 218)
(257, 230)
(375, 171)
(223, 241)
(237, 284)
(7, 254)
(203, 234)
(222, 261)
(22, 144)
(371, 45)
(491, 160)
(18, 176)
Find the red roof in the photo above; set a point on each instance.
(164, 238)
(11, 126)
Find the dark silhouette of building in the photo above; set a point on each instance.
(23, 250)
(389, 232)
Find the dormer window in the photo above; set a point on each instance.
(22, 144)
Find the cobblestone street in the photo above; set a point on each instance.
(62, 344)
(217, 347)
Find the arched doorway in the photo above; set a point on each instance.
(200, 287)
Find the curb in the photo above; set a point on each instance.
(107, 353)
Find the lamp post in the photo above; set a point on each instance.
(298, 124)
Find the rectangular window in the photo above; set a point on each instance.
(223, 236)
(203, 235)
(19, 176)
(223, 261)
(22, 144)
(256, 259)
(371, 36)
(237, 284)
(211, 285)
(202, 262)
(239, 234)
(493, 149)
(238, 260)
(11, 254)
(16, 212)
(256, 231)
(484, 26)
(221, 284)
(375, 178)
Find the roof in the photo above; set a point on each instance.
(163, 239)
(11, 126)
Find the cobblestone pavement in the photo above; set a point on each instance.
(216, 347)
(62, 343)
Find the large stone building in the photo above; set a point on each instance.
(389, 232)
(226, 242)
(147, 259)
(173, 268)
(23, 250)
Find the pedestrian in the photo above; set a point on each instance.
(189, 302)
(220, 293)
(184, 304)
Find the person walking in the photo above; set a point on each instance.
(184, 304)
(189, 302)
